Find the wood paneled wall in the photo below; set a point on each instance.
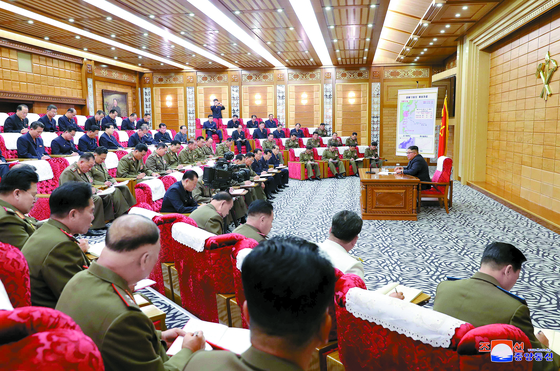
(49, 77)
(258, 100)
(206, 94)
(352, 110)
(523, 146)
(304, 105)
(173, 116)
(102, 85)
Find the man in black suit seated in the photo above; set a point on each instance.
(141, 136)
(178, 198)
(417, 166)
(48, 120)
(64, 144)
(279, 132)
(67, 121)
(297, 131)
(129, 123)
(252, 123)
(88, 141)
(18, 122)
(211, 128)
(107, 139)
(239, 139)
(30, 145)
(270, 123)
(261, 167)
(110, 119)
(144, 121)
(94, 120)
(261, 132)
(162, 136)
(234, 122)
(182, 136)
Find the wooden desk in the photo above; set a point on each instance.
(388, 197)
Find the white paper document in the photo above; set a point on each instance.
(143, 284)
(96, 248)
(108, 191)
(409, 293)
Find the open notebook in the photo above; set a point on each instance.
(217, 336)
(409, 293)
(553, 337)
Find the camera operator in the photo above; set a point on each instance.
(217, 109)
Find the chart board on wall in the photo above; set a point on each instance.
(416, 121)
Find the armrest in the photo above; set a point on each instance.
(20, 159)
(43, 195)
(61, 155)
(433, 183)
(186, 214)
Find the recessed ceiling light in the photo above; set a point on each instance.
(307, 51)
(435, 38)
(421, 52)
(370, 25)
(339, 58)
(209, 62)
(77, 36)
(328, 8)
(268, 42)
(425, 49)
(151, 16)
(70, 20)
(168, 56)
(103, 65)
(46, 37)
(372, 6)
(439, 5)
(248, 53)
(366, 49)
(291, 28)
(365, 57)
(260, 61)
(415, 39)
(145, 34)
(85, 49)
(337, 50)
(221, 53)
(216, 31)
(194, 55)
(237, 12)
(367, 39)
(331, 27)
(172, 46)
(311, 59)
(191, 14)
(457, 15)
(335, 40)
(204, 45)
(277, 52)
(161, 64)
(115, 58)
(186, 62)
(299, 41)
(442, 31)
(465, 7)
(425, 24)
(139, 57)
(407, 48)
(144, 47)
(402, 57)
(113, 35)
(30, 21)
(236, 62)
(431, 43)
(109, 18)
(279, 10)
(139, 64)
(234, 44)
(286, 60)
(447, 26)
(182, 32)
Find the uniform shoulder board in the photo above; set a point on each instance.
(128, 301)
(450, 278)
(519, 298)
(9, 210)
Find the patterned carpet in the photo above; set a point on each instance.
(422, 253)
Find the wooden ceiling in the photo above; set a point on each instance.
(352, 30)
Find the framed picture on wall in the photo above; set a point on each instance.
(115, 100)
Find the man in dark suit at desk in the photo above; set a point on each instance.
(30, 145)
(211, 128)
(107, 139)
(48, 120)
(139, 137)
(239, 139)
(18, 122)
(252, 123)
(234, 122)
(279, 132)
(178, 198)
(129, 123)
(94, 120)
(217, 109)
(67, 121)
(88, 141)
(144, 121)
(162, 136)
(110, 119)
(260, 167)
(64, 144)
(274, 158)
(297, 131)
(270, 123)
(417, 166)
(261, 132)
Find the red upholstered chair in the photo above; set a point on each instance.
(165, 223)
(144, 194)
(41, 209)
(364, 344)
(306, 132)
(14, 274)
(296, 169)
(36, 338)
(121, 153)
(203, 275)
(7, 153)
(168, 181)
(249, 244)
(442, 185)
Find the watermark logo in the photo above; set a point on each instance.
(501, 351)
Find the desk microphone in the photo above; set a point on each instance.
(371, 165)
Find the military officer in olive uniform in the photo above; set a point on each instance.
(335, 165)
(186, 157)
(334, 141)
(293, 142)
(373, 155)
(53, 254)
(18, 190)
(207, 148)
(156, 162)
(100, 301)
(322, 131)
(80, 171)
(352, 140)
(210, 217)
(259, 221)
(485, 298)
(224, 147)
(131, 165)
(101, 177)
(308, 159)
(171, 157)
(269, 143)
(314, 142)
(352, 155)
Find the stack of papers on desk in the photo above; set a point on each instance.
(409, 293)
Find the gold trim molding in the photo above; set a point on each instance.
(47, 53)
(28, 97)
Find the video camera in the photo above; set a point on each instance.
(224, 173)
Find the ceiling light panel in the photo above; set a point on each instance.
(306, 15)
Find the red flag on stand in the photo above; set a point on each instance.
(444, 130)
